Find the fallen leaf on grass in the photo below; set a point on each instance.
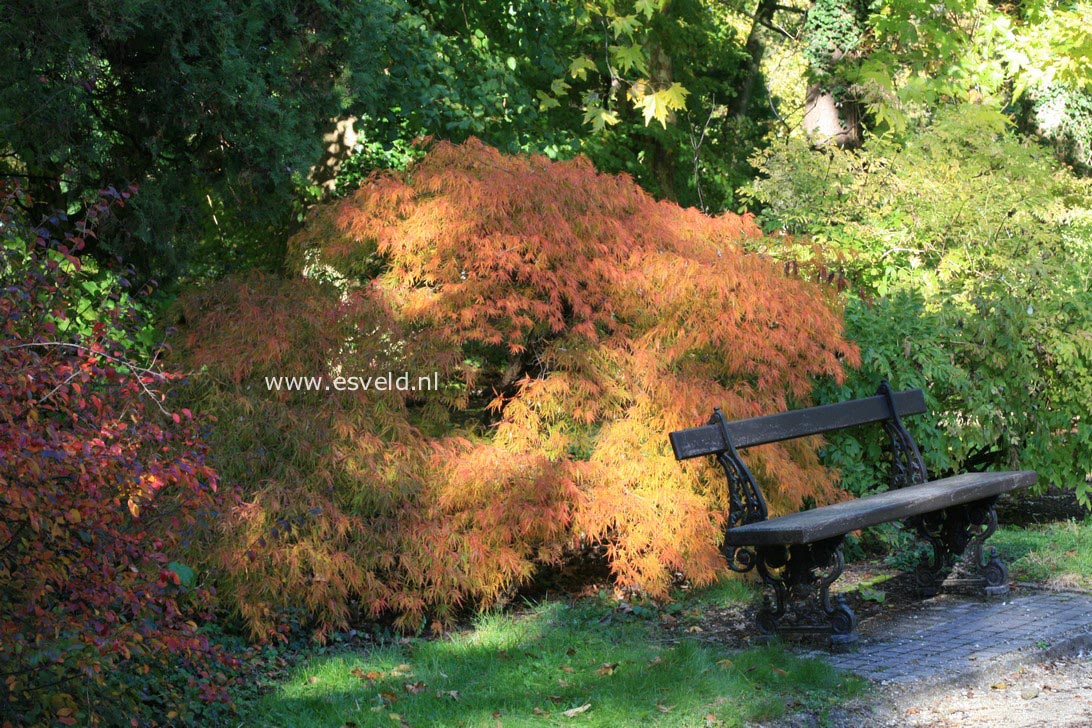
(401, 670)
(571, 651)
(371, 675)
(608, 668)
(453, 694)
(567, 668)
(414, 688)
(778, 671)
(576, 711)
(655, 661)
(664, 708)
(695, 629)
(725, 664)
(562, 683)
(313, 679)
(554, 698)
(389, 697)
(538, 711)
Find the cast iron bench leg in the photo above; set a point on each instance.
(791, 573)
(949, 533)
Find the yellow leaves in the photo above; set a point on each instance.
(658, 105)
(626, 25)
(599, 117)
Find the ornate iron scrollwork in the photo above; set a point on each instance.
(745, 501)
(793, 572)
(949, 533)
(908, 468)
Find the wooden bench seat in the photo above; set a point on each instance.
(836, 519)
(790, 552)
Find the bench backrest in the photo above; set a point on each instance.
(722, 438)
(709, 439)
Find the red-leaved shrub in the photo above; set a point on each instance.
(100, 488)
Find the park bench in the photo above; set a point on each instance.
(799, 555)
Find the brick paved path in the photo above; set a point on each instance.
(953, 635)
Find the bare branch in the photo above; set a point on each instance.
(152, 394)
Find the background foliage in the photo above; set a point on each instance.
(970, 247)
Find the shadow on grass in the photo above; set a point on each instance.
(556, 665)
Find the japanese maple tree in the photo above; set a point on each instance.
(574, 322)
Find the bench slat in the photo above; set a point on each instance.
(706, 440)
(872, 510)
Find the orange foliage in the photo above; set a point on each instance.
(592, 320)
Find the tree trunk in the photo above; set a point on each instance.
(662, 158)
(337, 146)
(830, 121)
(755, 50)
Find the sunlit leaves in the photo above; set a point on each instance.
(660, 104)
(973, 51)
(599, 118)
(959, 227)
(625, 25)
(648, 8)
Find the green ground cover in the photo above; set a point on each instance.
(594, 662)
(1056, 554)
(555, 664)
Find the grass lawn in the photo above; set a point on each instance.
(554, 664)
(1056, 554)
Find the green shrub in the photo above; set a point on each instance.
(979, 246)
